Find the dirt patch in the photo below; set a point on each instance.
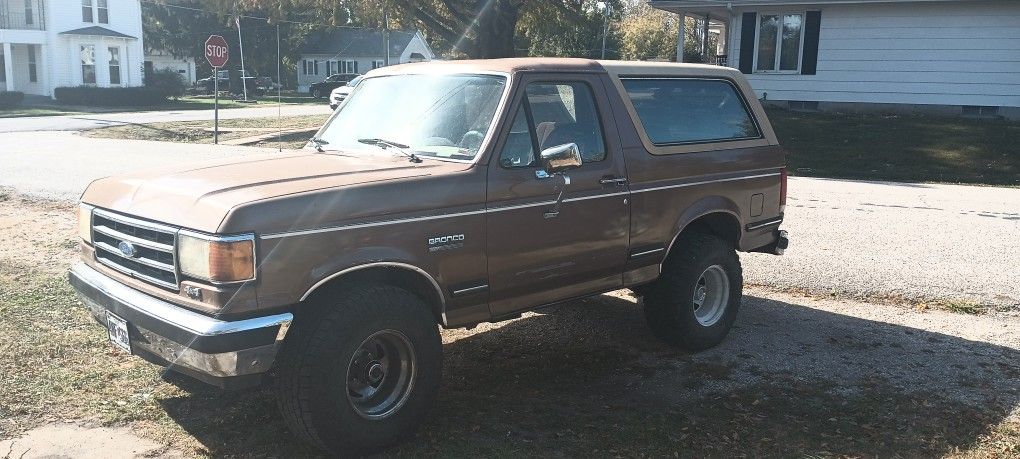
(199, 131)
(36, 234)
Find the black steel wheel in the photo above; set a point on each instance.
(360, 370)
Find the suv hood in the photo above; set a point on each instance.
(199, 195)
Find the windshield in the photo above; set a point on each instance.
(441, 116)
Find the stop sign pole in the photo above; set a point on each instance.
(216, 52)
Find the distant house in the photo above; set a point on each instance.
(944, 56)
(51, 43)
(162, 60)
(353, 50)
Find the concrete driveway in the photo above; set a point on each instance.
(915, 241)
(98, 120)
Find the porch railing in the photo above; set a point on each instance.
(30, 15)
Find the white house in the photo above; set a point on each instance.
(161, 60)
(51, 43)
(356, 50)
(945, 56)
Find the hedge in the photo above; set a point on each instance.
(10, 99)
(167, 81)
(111, 97)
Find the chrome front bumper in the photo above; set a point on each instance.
(212, 350)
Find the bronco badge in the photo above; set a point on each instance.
(448, 242)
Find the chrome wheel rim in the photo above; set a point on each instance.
(381, 374)
(711, 295)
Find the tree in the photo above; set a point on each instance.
(648, 33)
(574, 31)
(462, 28)
(181, 28)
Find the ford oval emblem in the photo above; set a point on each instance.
(128, 249)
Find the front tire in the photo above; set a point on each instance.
(360, 373)
(316, 94)
(694, 303)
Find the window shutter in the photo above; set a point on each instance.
(812, 29)
(355, 67)
(748, 22)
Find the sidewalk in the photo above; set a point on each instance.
(98, 120)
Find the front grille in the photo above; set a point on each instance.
(154, 258)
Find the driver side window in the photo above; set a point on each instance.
(559, 113)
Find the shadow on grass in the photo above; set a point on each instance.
(903, 148)
(587, 378)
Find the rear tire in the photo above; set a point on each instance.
(361, 372)
(694, 303)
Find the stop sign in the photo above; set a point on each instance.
(216, 51)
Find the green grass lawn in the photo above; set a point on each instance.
(907, 148)
(195, 102)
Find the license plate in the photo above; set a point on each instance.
(118, 329)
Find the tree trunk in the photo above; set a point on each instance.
(494, 32)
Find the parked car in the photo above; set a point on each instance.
(255, 85)
(338, 95)
(331, 82)
(439, 194)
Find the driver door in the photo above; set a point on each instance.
(535, 258)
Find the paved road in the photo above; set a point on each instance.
(911, 240)
(917, 241)
(98, 120)
(59, 164)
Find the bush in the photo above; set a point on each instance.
(110, 97)
(166, 81)
(11, 99)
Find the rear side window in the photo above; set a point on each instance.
(682, 110)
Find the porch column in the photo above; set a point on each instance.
(680, 37)
(8, 67)
(704, 40)
(44, 70)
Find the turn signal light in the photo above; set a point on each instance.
(85, 222)
(782, 190)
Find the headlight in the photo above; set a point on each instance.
(85, 222)
(217, 259)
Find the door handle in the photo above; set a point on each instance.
(613, 180)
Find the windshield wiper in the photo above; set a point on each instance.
(319, 142)
(384, 144)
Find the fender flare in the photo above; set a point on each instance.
(705, 206)
(384, 264)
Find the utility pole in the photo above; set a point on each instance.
(386, 34)
(607, 10)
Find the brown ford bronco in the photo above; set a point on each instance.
(446, 193)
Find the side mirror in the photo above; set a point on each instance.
(561, 158)
(556, 161)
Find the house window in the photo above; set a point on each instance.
(377, 64)
(103, 12)
(33, 73)
(779, 42)
(304, 66)
(114, 65)
(315, 67)
(3, 69)
(29, 13)
(88, 64)
(348, 66)
(86, 11)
